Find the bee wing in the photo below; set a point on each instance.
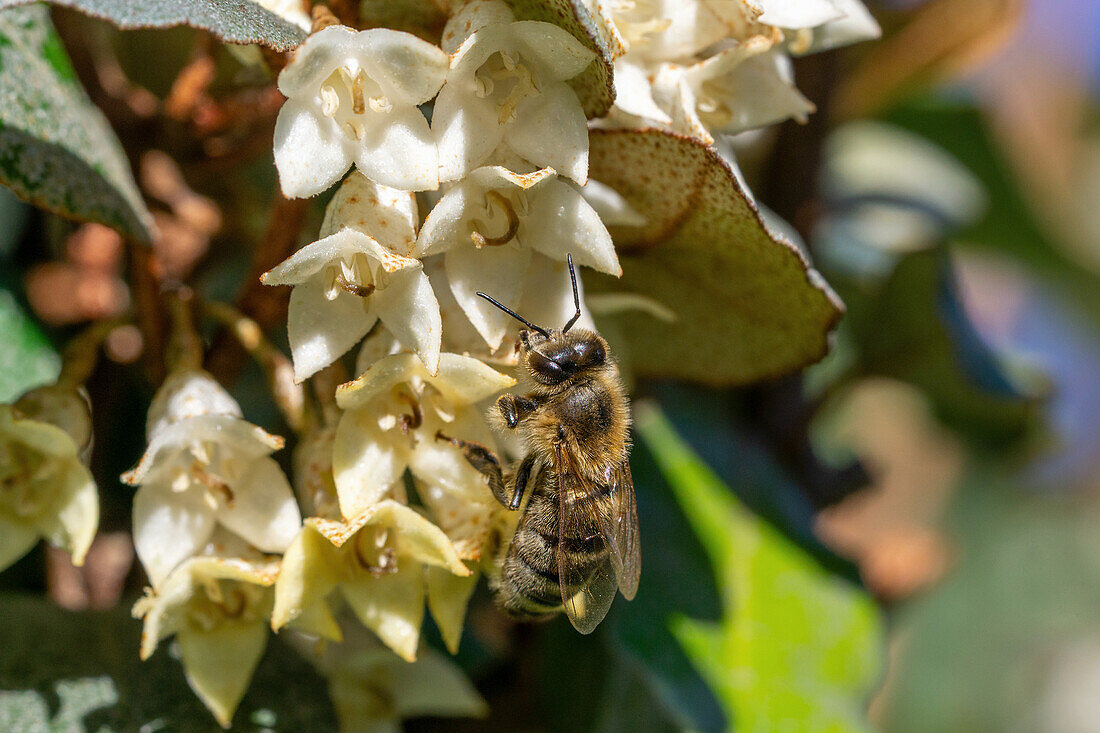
(582, 562)
(620, 529)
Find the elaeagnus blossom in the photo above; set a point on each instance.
(352, 97)
(356, 274)
(393, 414)
(46, 491)
(506, 84)
(377, 563)
(491, 223)
(719, 67)
(218, 608)
(205, 466)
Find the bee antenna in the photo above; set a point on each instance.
(576, 295)
(515, 315)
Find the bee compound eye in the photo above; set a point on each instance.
(545, 367)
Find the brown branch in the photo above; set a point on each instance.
(145, 275)
(265, 305)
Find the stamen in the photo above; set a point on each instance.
(330, 100)
(402, 393)
(480, 240)
(380, 104)
(361, 290)
(357, 105)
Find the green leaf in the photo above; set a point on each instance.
(27, 359)
(914, 328)
(233, 21)
(594, 85)
(797, 647)
(89, 661)
(748, 305)
(56, 149)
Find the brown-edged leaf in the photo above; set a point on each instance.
(748, 304)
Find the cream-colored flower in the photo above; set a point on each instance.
(392, 415)
(204, 470)
(352, 97)
(373, 690)
(218, 609)
(293, 11)
(490, 224)
(506, 84)
(356, 275)
(45, 488)
(377, 561)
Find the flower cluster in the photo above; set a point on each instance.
(468, 173)
(718, 67)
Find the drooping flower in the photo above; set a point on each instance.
(46, 491)
(377, 562)
(506, 84)
(203, 469)
(218, 609)
(373, 690)
(352, 97)
(393, 415)
(292, 11)
(489, 225)
(743, 87)
(356, 275)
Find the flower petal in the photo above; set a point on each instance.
(797, 13)
(552, 303)
(188, 393)
(398, 150)
(471, 17)
(408, 69)
(16, 540)
(315, 59)
(461, 380)
(496, 270)
(311, 152)
(391, 606)
(448, 597)
(386, 214)
(409, 310)
(366, 460)
(169, 527)
(263, 510)
(416, 537)
(857, 25)
(556, 52)
(634, 94)
(466, 128)
(320, 330)
(561, 222)
(550, 129)
(76, 520)
(219, 663)
(309, 572)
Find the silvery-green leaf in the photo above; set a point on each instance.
(233, 21)
(56, 149)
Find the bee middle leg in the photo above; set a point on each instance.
(487, 463)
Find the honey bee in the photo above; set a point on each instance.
(577, 539)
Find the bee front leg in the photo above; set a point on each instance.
(513, 408)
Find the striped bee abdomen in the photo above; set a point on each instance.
(529, 586)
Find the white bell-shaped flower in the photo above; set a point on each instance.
(202, 471)
(490, 224)
(352, 97)
(45, 488)
(393, 416)
(218, 609)
(356, 275)
(506, 84)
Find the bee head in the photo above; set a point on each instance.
(551, 356)
(560, 356)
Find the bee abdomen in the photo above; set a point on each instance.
(529, 586)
